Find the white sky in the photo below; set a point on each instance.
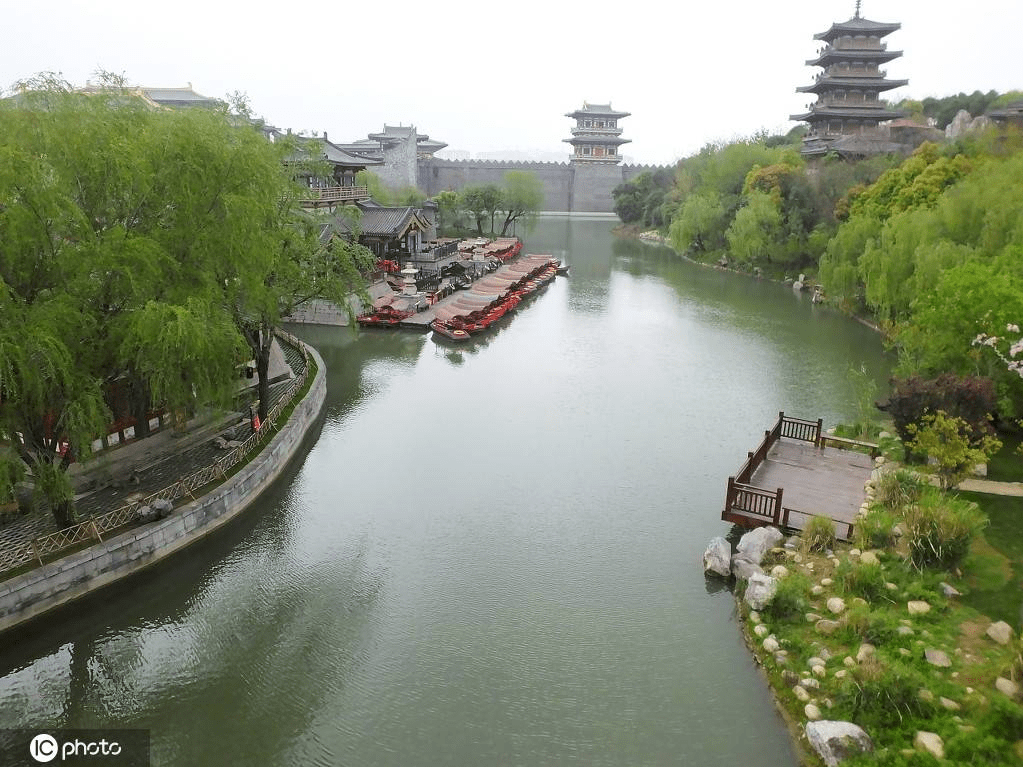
(485, 76)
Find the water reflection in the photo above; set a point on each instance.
(489, 554)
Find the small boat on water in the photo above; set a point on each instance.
(384, 317)
(473, 312)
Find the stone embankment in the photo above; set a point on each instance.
(810, 658)
(57, 583)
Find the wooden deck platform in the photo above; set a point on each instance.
(824, 481)
(798, 472)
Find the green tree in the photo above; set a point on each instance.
(448, 211)
(700, 224)
(521, 199)
(144, 247)
(482, 201)
(375, 186)
(754, 232)
(946, 441)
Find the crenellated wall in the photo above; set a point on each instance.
(582, 188)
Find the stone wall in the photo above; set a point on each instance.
(400, 159)
(57, 583)
(583, 188)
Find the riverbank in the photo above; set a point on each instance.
(654, 237)
(146, 534)
(884, 638)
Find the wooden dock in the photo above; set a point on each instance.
(799, 472)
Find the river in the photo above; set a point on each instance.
(488, 555)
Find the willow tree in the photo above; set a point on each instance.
(521, 199)
(138, 247)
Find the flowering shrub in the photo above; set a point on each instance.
(1013, 356)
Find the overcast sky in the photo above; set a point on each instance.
(485, 76)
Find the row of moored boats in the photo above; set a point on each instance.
(491, 297)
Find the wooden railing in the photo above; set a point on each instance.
(797, 428)
(749, 505)
(786, 512)
(844, 443)
(94, 528)
(334, 194)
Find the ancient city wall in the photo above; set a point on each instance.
(567, 187)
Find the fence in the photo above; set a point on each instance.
(751, 506)
(94, 528)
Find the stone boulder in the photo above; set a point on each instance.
(960, 124)
(717, 558)
(743, 569)
(836, 741)
(930, 742)
(760, 590)
(1000, 632)
(1007, 687)
(163, 507)
(756, 543)
(869, 558)
(825, 626)
(836, 605)
(918, 607)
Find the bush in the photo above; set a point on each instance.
(950, 447)
(865, 625)
(939, 529)
(876, 698)
(791, 599)
(896, 489)
(818, 535)
(968, 397)
(867, 581)
(875, 530)
(991, 744)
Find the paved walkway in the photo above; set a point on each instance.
(140, 468)
(991, 487)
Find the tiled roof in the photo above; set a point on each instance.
(829, 82)
(604, 110)
(597, 139)
(332, 153)
(179, 97)
(385, 222)
(858, 25)
(1015, 109)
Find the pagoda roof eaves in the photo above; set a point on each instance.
(847, 54)
(857, 24)
(602, 110)
(597, 140)
(829, 83)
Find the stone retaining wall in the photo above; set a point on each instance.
(57, 583)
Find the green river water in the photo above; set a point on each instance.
(487, 555)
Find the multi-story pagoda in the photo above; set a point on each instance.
(596, 135)
(849, 111)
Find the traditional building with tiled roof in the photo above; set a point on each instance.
(1010, 114)
(399, 148)
(390, 232)
(180, 97)
(596, 135)
(340, 186)
(848, 114)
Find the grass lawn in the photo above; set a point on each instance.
(1007, 464)
(994, 569)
